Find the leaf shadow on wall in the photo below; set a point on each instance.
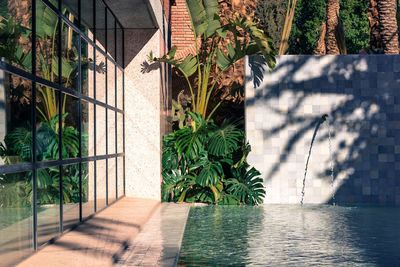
(366, 105)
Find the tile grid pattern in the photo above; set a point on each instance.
(361, 96)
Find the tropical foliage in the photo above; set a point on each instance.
(17, 147)
(16, 49)
(202, 69)
(207, 163)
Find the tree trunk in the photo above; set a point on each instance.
(388, 26)
(332, 13)
(375, 40)
(321, 46)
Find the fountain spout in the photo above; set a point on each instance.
(319, 122)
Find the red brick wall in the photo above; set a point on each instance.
(181, 32)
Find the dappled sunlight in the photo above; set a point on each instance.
(281, 115)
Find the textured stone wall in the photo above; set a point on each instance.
(145, 93)
(362, 98)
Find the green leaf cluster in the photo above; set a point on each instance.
(210, 59)
(17, 147)
(204, 162)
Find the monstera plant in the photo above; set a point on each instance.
(202, 69)
(207, 163)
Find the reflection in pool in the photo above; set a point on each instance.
(276, 235)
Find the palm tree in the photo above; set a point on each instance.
(321, 45)
(388, 26)
(375, 41)
(332, 22)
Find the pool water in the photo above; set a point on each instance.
(290, 235)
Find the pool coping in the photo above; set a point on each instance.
(160, 241)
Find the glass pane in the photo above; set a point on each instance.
(110, 83)
(120, 133)
(15, 217)
(48, 201)
(47, 42)
(70, 185)
(101, 25)
(112, 186)
(120, 46)
(70, 10)
(87, 69)
(100, 77)
(100, 130)
(101, 185)
(87, 189)
(70, 128)
(15, 119)
(110, 34)
(47, 123)
(15, 31)
(87, 129)
(69, 52)
(120, 179)
(111, 131)
(120, 89)
(87, 18)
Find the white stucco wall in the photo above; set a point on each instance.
(143, 109)
(142, 125)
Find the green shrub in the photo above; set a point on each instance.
(207, 163)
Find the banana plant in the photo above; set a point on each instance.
(48, 61)
(211, 59)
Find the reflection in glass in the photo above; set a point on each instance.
(70, 185)
(119, 89)
(101, 71)
(15, 119)
(101, 185)
(111, 131)
(112, 180)
(110, 34)
(88, 198)
(48, 201)
(70, 10)
(87, 25)
(120, 133)
(47, 43)
(69, 53)
(120, 46)
(87, 69)
(47, 123)
(15, 217)
(110, 83)
(70, 129)
(87, 129)
(101, 24)
(100, 130)
(120, 178)
(15, 31)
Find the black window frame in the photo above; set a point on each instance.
(111, 110)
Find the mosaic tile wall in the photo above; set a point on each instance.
(360, 95)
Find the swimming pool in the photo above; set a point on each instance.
(290, 235)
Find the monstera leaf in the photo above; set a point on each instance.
(246, 186)
(224, 140)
